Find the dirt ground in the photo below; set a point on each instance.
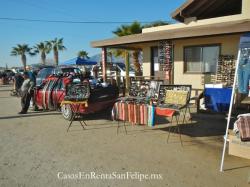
(36, 150)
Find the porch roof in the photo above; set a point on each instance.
(224, 28)
(207, 9)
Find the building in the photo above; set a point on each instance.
(206, 29)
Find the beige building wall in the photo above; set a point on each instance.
(146, 61)
(229, 46)
(146, 66)
(246, 8)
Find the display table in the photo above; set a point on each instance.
(217, 99)
(134, 113)
(75, 106)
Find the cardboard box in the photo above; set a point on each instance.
(238, 148)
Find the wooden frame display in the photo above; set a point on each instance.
(145, 88)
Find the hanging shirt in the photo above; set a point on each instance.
(244, 71)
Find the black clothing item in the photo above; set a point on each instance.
(22, 112)
(18, 81)
(25, 101)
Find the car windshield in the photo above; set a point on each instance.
(45, 72)
(69, 70)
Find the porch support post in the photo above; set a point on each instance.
(127, 65)
(104, 64)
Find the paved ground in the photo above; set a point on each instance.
(35, 149)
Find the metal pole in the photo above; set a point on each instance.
(104, 64)
(230, 113)
(127, 65)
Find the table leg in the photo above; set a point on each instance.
(71, 121)
(75, 112)
(124, 124)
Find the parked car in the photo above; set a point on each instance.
(45, 72)
(114, 69)
(7, 74)
(52, 91)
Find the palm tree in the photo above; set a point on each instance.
(22, 50)
(56, 45)
(83, 54)
(156, 24)
(43, 48)
(124, 30)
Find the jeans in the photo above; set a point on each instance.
(244, 74)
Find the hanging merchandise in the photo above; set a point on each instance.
(249, 88)
(225, 70)
(244, 71)
(165, 57)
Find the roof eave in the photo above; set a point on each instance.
(182, 7)
(187, 32)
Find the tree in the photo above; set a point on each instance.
(56, 45)
(124, 30)
(83, 54)
(43, 48)
(156, 24)
(22, 50)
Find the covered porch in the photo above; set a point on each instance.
(167, 63)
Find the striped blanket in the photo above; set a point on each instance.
(134, 113)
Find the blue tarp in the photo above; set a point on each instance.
(78, 61)
(217, 99)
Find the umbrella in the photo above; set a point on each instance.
(78, 61)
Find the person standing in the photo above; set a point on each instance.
(26, 93)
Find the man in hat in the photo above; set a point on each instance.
(26, 93)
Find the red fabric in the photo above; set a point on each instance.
(164, 112)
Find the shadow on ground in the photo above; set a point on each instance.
(31, 114)
(202, 125)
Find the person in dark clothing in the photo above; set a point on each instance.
(32, 77)
(18, 81)
(26, 93)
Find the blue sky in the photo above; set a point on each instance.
(76, 36)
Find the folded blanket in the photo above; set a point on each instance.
(242, 115)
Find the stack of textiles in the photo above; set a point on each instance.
(242, 127)
(134, 113)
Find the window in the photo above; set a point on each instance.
(155, 65)
(201, 59)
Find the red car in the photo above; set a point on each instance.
(51, 93)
